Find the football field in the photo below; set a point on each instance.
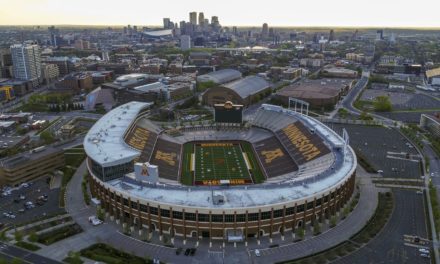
(220, 161)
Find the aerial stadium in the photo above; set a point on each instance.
(233, 179)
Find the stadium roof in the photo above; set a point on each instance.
(248, 86)
(433, 72)
(159, 33)
(105, 140)
(221, 76)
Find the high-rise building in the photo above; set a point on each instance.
(392, 38)
(379, 34)
(6, 70)
(201, 19)
(234, 30)
(265, 30)
(214, 20)
(193, 18)
(53, 33)
(166, 23)
(185, 42)
(26, 59)
(331, 36)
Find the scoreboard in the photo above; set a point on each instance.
(228, 113)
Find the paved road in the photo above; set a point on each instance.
(353, 94)
(408, 218)
(9, 252)
(342, 232)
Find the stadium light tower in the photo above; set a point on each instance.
(299, 103)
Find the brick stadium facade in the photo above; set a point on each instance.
(201, 222)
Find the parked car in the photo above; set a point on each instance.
(94, 220)
(424, 250)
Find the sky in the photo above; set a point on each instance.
(336, 13)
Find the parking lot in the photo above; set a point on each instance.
(384, 148)
(14, 203)
(402, 100)
(407, 117)
(390, 246)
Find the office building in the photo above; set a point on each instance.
(6, 69)
(331, 36)
(54, 34)
(27, 166)
(185, 42)
(193, 18)
(379, 34)
(49, 73)
(201, 19)
(26, 59)
(167, 23)
(431, 123)
(265, 30)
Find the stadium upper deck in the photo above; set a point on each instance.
(313, 175)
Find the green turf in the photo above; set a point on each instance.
(220, 163)
(256, 171)
(187, 177)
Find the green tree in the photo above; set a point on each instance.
(16, 261)
(382, 104)
(300, 233)
(33, 237)
(365, 116)
(18, 236)
(333, 221)
(47, 137)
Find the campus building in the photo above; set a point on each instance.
(30, 165)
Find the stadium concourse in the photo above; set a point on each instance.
(278, 172)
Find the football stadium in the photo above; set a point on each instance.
(234, 179)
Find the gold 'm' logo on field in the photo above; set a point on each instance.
(270, 155)
(166, 157)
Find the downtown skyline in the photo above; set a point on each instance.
(245, 13)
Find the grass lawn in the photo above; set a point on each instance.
(28, 246)
(107, 254)
(59, 234)
(74, 157)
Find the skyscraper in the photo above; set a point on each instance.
(53, 32)
(193, 18)
(379, 34)
(331, 36)
(26, 59)
(265, 30)
(201, 19)
(166, 23)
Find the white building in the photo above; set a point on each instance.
(26, 59)
(185, 42)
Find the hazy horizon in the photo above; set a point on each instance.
(277, 13)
